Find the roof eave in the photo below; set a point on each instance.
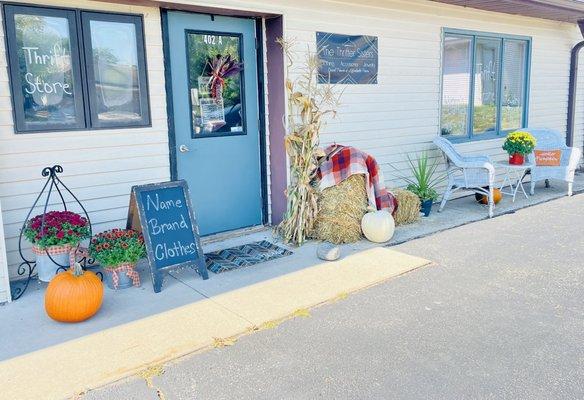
(558, 10)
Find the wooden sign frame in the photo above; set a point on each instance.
(137, 218)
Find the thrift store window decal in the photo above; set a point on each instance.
(74, 69)
(215, 84)
(48, 89)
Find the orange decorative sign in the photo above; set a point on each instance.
(548, 158)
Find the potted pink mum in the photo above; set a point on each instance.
(53, 235)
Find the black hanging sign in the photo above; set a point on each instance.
(347, 59)
(163, 212)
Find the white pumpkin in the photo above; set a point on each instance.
(378, 226)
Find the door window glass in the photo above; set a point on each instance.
(215, 77)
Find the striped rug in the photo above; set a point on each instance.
(244, 256)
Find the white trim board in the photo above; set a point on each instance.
(4, 282)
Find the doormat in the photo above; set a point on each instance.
(244, 256)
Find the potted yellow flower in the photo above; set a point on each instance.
(517, 145)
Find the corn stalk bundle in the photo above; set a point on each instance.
(308, 104)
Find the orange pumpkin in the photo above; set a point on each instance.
(497, 196)
(74, 295)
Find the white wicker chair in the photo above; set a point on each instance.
(472, 173)
(551, 140)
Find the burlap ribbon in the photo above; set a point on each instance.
(129, 270)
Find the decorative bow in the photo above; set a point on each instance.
(77, 251)
(221, 68)
(129, 270)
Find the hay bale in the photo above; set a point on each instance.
(340, 210)
(408, 207)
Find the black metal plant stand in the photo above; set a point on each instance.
(27, 267)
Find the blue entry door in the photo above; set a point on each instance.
(213, 65)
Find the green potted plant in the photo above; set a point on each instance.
(52, 236)
(423, 181)
(517, 145)
(118, 251)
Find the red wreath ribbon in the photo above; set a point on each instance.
(216, 82)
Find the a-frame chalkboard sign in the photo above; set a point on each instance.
(164, 215)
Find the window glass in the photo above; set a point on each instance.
(47, 81)
(486, 81)
(513, 89)
(54, 89)
(117, 75)
(456, 70)
(484, 84)
(215, 84)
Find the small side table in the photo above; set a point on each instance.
(513, 177)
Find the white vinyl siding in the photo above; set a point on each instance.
(402, 113)
(399, 115)
(100, 166)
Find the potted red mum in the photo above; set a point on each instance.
(118, 251)
(53, 235)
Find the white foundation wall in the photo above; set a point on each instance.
(100, 166)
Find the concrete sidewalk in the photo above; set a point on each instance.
(501, 317)
(106, 356)
(26, 316)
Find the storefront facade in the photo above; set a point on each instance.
(131, 106)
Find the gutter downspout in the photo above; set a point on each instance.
(572, 87)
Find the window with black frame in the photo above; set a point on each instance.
(60, 83)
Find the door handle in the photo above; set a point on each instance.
(183, 148)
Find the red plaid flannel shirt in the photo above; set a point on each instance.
(350, 161)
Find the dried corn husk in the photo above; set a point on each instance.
(308, 103)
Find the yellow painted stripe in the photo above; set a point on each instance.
(95, 360)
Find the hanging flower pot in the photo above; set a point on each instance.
(118, 251)
(53, 235)
(49, 260)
